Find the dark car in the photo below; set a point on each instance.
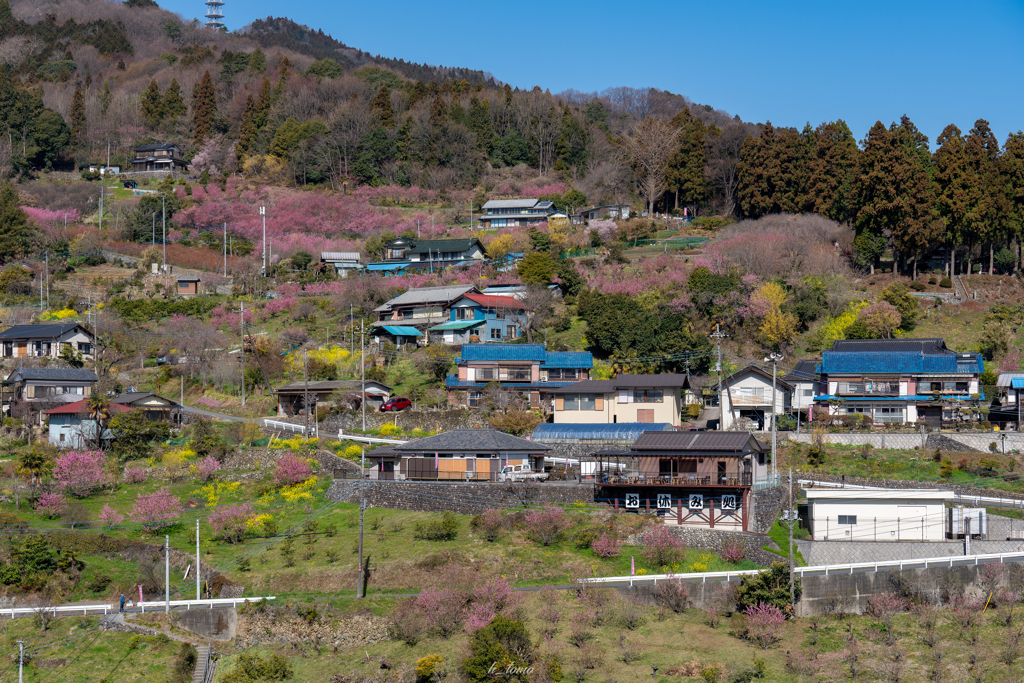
(396, 404)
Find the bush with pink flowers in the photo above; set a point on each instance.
(764, 624)
(80, 472)
(606, 545)
(110, 517)
(291, 470)
(51, 504)
(155, 510)
(136, 475)
(230, 521)
(547, 526)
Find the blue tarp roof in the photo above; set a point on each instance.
(1017, 383)
(402, 331)
(503, 352)
(896, 363)
(616, 431)
(458, 324)
(386, 266)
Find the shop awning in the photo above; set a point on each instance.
(402, 331)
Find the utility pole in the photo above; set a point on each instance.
(352, 330)
(774, 359)
(263, 214)
(47, 280)
(791, 516)
(718, 336)
(362, 366)
(198, 594)
(362, 512)
(242, 358)
(96, 331)
(154, 228)
(225, 249)
(21, 659)
(305, 391)
(163, 203)
(167, 574)
(102, 192)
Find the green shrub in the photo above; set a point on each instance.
(693, 410)
(445, 529)
(917, 285)
(502, 641)
(945, 283)
(932, 280)
(770, 586)
(251, 667)
(584, 537)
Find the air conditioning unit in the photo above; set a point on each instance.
(544, 380)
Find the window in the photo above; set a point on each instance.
(645, 416)
(182, 286)
(648, 396)
(572, 402)
(587, 402)
(848, 519)
(809, 392)
(495, 333)
(510, 331)
(475, 398)
(464, 313)
(563, 374)
(889, 415)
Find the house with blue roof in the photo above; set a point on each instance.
(526, 368)
(898, 381)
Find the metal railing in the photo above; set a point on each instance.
(868, 388)
(285, 426)
(342, 436)
(821, 570)
(73, 610)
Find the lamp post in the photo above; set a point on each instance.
(774, 359)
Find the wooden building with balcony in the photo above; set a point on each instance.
(696, 479)
(748, 401)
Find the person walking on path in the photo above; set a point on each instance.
(122, 602)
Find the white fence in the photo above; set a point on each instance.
(342, 436)
(72, 610)
(285, 426)
(821, 570)
(958, 498)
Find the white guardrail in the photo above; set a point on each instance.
(821, 570)
(71, 610)
(342, 436)
(285, 426)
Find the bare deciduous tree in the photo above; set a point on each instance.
(650, 146)
(536, 312)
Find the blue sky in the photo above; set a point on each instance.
(789, 62)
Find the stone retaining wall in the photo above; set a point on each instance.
(953, 441)
(433, 420)
(465, 499)
(716, 540)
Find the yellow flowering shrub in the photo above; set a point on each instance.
(353, 452)
(216, 489)
(426, 666)
(389, 430)
(256, 522)
(62, 314)
(296, 443)
(179, 457)
(303, 491)
(325, 355)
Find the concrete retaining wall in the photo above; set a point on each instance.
(954, 441)
(216, 624)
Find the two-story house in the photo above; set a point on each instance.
(342, 262)
(37, 389)
(897, 380)
(746, 399)
(475, 317)
(46, 340)
(525, 368)
(72, 425)
(166, 157)
(420, 307)
(417, 254)
(693, 479)
(509, 213)
(804, 380)
(627, 398)
(612, 211)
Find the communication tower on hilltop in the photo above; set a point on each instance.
(214, 14)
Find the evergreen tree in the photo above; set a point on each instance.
(174, 104)
(1011, 166)
(685, 177)
(571, 145)
(262, 111)
(15, 232)
(382, 109)
(78, 122)
(480, 124)
(247, 132)
(832, 171)
(954, 182)
(771, 173)
(438, 111)
(204, 108)
(917, 226)
(105, 98)
(257, 61)
(873, 196)
(152, 104)
(986, 204)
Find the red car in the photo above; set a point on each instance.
(396, 404)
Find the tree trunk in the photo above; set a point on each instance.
(969, 271)
(952, 259)
(915, 266)
(991, 258)
(677, 200)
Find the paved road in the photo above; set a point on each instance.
(217, 416)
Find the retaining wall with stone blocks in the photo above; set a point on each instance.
(715, 540)
(850, 552)
(464, 499)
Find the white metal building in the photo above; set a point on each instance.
(865, 514)
(746, 399)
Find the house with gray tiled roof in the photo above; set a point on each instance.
(529, 369)
(510, 213)
(47, 387)
(45, 340)
(420, 307)
(899, 381)
(626, 398)
(467, 454)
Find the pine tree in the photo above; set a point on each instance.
(174, 103)
(204, 108)
(262, 106)
(152, 104)
(15, 232)
(480, 124)
(257, 61)
(78, 121)
(382, 109)
(917, 226)
(685, 176)
(247, 132)
(873, 197)
(771, 173)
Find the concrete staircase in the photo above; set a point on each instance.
(204, 665)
